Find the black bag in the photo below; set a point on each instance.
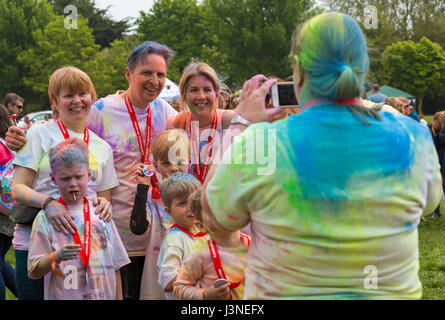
(24, 214)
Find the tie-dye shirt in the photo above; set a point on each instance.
(35, 155)
(199, 268)
(107, 255)
(337, 216)
(110, 120)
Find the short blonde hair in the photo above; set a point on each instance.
(178, 186)
(161, 145)
(71, 78)
(199, 69)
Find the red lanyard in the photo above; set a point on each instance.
(195, 235)
(217, 262)
(145, 150)
(201, 171)
(66, 135)
(85, 250)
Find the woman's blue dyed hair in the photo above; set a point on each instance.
(330, 50)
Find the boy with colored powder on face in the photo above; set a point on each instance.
(184, 236)
(85, 265)
(218, 267)
(171, 154)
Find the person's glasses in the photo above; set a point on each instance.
(19, 106)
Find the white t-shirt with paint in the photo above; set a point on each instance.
(35, 155)
(107, 255)
(176, 248)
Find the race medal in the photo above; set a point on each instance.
(148, 170)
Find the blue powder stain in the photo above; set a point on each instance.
(99, 104)
(345, 149)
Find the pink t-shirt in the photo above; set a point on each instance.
(199, 267)
(5, 155)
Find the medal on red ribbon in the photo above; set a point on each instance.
(66, 135)
(144, 149)
(85, 248)
(201, 170)
(217, 262)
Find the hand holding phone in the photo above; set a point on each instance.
(283, 95)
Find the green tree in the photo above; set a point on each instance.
(114, 62)
(398, 20)
(105, 29)
(180, 25)
(18, 20)
(255, 34)
(418, 68)
(56, 47)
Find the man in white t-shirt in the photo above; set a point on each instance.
(110, 119)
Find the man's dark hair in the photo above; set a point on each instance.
(147, 48)
(12, 98)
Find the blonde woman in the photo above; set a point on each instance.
(204, 122)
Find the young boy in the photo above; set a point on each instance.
(83, 266)
(171, 154)
(218, 266)
(183, 237)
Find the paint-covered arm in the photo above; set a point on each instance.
(185, 286)
(41, 254)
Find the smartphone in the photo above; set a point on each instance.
(219, 282)
(283, 95)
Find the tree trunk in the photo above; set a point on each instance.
(420, 105)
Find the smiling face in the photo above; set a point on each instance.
(200, 95)
(71, 180)
(147, 80)
(180, 211)
(74, 105)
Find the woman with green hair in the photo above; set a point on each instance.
(338, 217)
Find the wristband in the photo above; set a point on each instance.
(238, 119)
(47, 200)
(54, 264)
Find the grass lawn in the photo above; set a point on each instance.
(432, 256)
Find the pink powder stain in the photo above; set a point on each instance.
(231, 217)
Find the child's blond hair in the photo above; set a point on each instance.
(71, 78)
(163, 143)
(178, 186)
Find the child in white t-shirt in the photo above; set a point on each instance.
(183, 237)
(218, 267)
(83, 266)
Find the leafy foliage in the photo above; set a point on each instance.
(18, 20)
(105, 29)
(419, 67)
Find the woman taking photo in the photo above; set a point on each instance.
(338, 217)
(72, 93)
